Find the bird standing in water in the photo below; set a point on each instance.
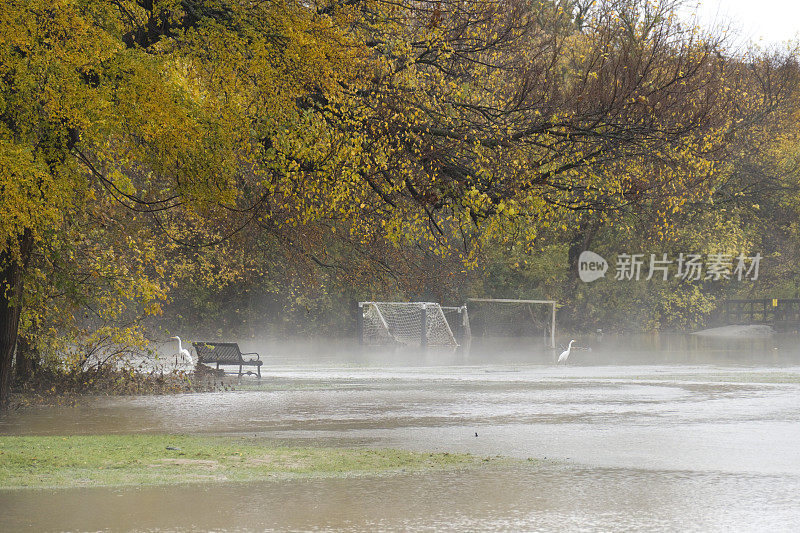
(565, 354)
(183, 353)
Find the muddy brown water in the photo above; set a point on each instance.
(710, 443)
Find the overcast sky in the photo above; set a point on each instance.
(768, 22)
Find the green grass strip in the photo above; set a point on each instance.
(123, 460)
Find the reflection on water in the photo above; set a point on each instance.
(541, 498)
(697, 438)
(663, 417)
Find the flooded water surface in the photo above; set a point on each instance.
(685, 446)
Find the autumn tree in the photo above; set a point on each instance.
(465, 123)
(147, 136)
(509, 108)
(114, 116)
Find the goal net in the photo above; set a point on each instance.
(404, 323)
(458, 320)
(490, 317)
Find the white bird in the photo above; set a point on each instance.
(565, 354)
(183, 352)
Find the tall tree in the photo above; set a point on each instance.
(121, 122)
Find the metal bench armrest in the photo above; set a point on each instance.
(258, 357)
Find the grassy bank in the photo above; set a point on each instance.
(119, 460)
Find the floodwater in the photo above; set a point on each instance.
(682, 437)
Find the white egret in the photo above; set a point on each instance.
(565, 354)
(183, 353)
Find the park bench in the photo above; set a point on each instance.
(226, 353)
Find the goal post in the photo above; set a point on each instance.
(512, 317)
(458, 320)
(404, 323)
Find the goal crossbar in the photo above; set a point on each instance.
(511, 301)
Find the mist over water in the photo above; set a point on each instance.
(670, 432)
(588, 350)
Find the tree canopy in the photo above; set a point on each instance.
(150, 144)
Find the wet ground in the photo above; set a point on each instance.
(647, 445)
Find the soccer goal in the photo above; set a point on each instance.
(493, 317)
(404, 323)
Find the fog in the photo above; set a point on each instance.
(599, 349)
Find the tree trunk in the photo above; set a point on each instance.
(27, 360)
(11, 283)
(580, 242)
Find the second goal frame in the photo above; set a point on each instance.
(552, 303)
